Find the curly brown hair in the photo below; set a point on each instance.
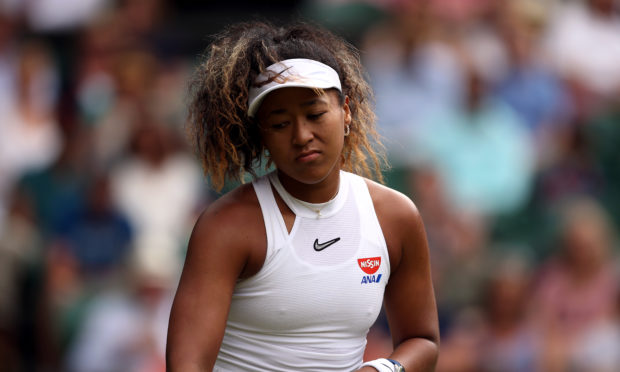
(227, 140)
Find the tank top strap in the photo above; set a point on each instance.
(275, 227)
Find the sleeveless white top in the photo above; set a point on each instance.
(320, 289)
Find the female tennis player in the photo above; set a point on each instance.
(289, 272)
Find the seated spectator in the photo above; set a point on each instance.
(530, 86)
(510, 342)
(125, 326)
(578, 284)
(30, 135)
(100, 236)
(158, 188)
(481, 151)
(598, 349)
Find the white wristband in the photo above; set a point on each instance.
(381, 365)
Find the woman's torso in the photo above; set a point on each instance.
(319, 290)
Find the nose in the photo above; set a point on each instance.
(302, 132)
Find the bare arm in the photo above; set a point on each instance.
(409, 297)
(219, 253)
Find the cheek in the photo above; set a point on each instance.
(273, 145)
(267, 139)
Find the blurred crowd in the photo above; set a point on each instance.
(501, 120)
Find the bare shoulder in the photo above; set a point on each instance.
(236, 208)
(232, 228)
(392, 204)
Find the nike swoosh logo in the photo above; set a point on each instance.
(320, 246)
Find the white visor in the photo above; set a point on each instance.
(298, 72)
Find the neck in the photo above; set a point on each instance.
(319, 192)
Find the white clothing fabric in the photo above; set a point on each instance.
(51, 15)
(296, 72)
(24, 147)
(160, 198)
(121, 333)
(585, 46)
(320, 289)
(159, 202)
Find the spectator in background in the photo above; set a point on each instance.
(55, 289)
(443, 225)
(597, 350)
(530, 86)
(99, 236)
(461, 349)
(414, 71)
(124, 327)
(481, 151)
(86, 253)
(578, 285)
(133, 74)
(573, 169)
(98, 104)
(583, 45)
(510, 343)
(57, 191)
(159, 188)
(494, 333)
(30, 135)
(460, 246)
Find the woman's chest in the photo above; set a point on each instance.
(320, 280)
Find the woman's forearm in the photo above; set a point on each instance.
(417, 354)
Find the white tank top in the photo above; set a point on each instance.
(320, 289)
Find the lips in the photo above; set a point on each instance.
(307, 156)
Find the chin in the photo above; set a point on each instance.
(309, 176)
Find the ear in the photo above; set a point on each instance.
(347, 111)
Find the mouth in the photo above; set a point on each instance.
(307, 156)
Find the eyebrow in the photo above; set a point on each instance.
(310, 102)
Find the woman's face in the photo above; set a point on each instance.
(304, 132)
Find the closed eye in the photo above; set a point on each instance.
(316, 116)
(278, 126)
